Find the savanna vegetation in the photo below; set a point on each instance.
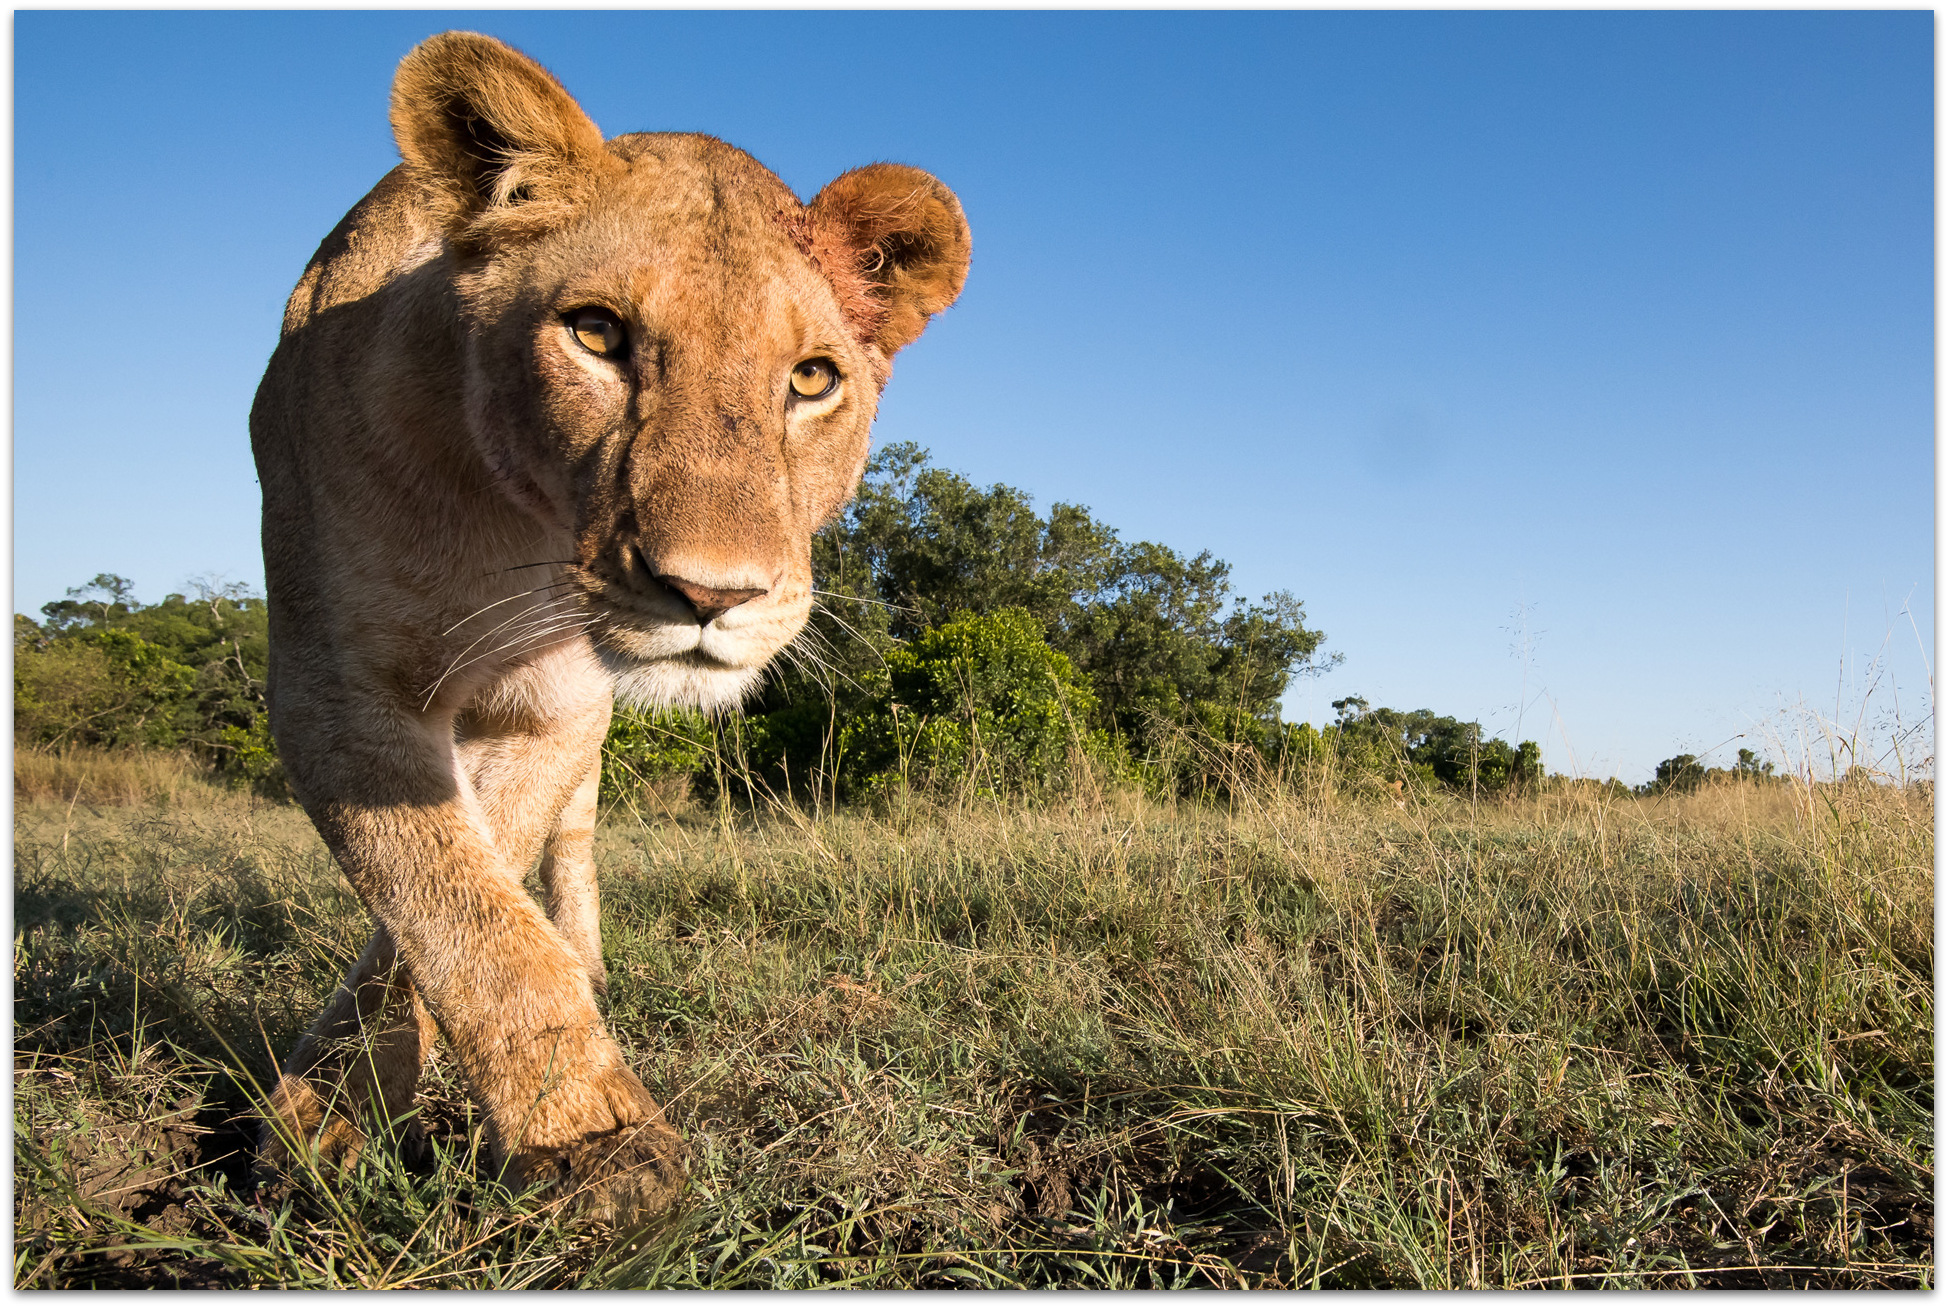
(1012, 939)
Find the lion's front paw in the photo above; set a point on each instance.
(617, 1176)
(632, 1166)
(302, 1129)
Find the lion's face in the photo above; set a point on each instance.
(667, 357)
(671, 381)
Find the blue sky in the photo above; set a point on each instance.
(1616, 329)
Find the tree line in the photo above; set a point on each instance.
(101, 669)
(959, 638)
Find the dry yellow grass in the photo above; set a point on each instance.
(77, 773)
(1301, 1039)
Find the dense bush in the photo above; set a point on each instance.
(1687, 772)
(1157, 634)
(184, 674)
(982, 699)
(1427, 748)
(650, 750)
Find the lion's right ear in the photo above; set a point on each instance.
(894, 242)
(499, 148)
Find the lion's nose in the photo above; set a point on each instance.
(707, 602)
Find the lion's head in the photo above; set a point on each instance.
(667, 357)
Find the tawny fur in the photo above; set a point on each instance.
(465, 513)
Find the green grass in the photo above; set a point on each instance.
(1302, 1041)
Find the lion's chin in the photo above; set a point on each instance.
(687, 680)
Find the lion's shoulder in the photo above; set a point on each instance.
(383, 235)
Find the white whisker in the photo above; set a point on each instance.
(539, 613)
(547, 610)
(528, 642)
(856, 633)
(803, 646)
(497, 603)
(534, 618)
(861, 599)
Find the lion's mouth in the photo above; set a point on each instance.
(701, 661)
(662, 666)
(638, 636)
(651, 638)
(666, 648)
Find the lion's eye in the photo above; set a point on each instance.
(599, 332)
(814, 379)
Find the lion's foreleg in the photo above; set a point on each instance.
(568, 876)
(359, 1062)
(532, 750)
(512, 999)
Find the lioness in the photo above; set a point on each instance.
(552, 419)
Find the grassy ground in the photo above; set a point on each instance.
(1304, 1041)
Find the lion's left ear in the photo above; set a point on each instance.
(499, 148)
(905, 240)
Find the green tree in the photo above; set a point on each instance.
(982, 698)
(1682, 772)
(1401, 745)
(188, 672)
(1157, 637)
(1751, 768)
(1156, 633)
(105, 601)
